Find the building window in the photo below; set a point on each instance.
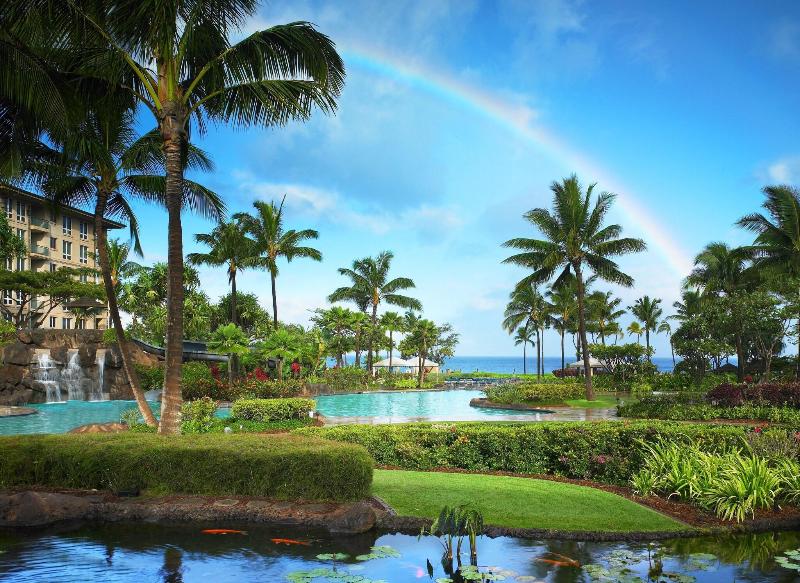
(8, 297)
(20, 264)
(84, 277)
(9, 263)
(21, 234)
(7, 317)
(80, 324)
(66, 323)
(84, 230)
(66, 225)
(10, 207)
(52, 321)
(53, 243)
(84, 254)
(98, 323)
(19, 297)
(20, 211)
(53, 267)
(66, 250)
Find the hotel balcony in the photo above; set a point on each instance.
(38, 250)
(39, 224)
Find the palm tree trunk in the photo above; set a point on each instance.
(538, 344)
(562, 350)
(541, 349)
(739, 358)
(647, 343)
(233, 360)
(420, 371)
(174, 134)
(113, 311)
(587, 368)
(672, 349)
(274, 301)
(391, 349)
(372, 336)
(524, 357)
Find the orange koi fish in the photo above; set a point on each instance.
(561, 562)
(222, 531)
(289, 541)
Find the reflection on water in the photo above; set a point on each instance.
(450, 405)
(136, 553)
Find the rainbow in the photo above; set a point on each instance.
(519, 120)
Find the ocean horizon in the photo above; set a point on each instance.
(514, 364)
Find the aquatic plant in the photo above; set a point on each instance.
(453, 524)
(789, 560)
(618, 567)
(379, 552)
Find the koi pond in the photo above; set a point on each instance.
(146, 552)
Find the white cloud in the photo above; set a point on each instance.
(784, 39)
(785, 170)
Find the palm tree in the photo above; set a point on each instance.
(392, 322)
(635, 329)
(562, 300)
(777, 244)
(689, 307)
(371, 286)
(720, 269)
(230, 246)
(274, 242)
(119, 265)
(648, 311)
(102, 162)
(603, 310)
(422, 337)
(575, 241)
(336, 324)
(527, 308)
(523, 336)
(665, 328)
(177, 61)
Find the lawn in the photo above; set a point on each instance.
(600, 402)
(517, 502)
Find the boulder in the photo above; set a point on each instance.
(40, 508)
(87, 355)
(18, 353)
(60, 353)
(355, 519)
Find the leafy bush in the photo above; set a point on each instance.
(272, 409)
(685, 382)
(198, 381)
(198, 416)
(284, 467)
(779, 394)
(346, 379)
(534, 392)
(254, 387)
(606, 451)
(775, 444)
(151, 377)
(693, 407)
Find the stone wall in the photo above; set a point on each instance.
(18, 385)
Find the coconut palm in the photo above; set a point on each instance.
(527, 308)
(603, 310)
(665, 328)
(177, 61)
(274, 242)
(524, 337)
(564, 306)
(371, 286)
(689, 306)
(336, 324)
(720, 269)
(635, 329)
(648, 311)
(575, 242)
(119, 264)
(230, 246)
(777, 244)
(421, 339)
(392, 322)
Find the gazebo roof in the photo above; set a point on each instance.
(396, 361)
(593, 362)
(84, 303)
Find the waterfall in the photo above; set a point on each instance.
(72, 378)
(98, 394)
(47, 373)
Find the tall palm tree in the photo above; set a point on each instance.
(648, 311)
(527, 308)
(575, 241)
(103, 163)
(665, 328)
(274, 242)
(371, 286)
(230, 246)
(177, 61)
(524, 337)
(635, 329)
(689, 306)
(392, 322)
(603, 309)
(777, 244)
(336, 324)
(119, 264)
(720, 269)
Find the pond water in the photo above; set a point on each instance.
(61, 417)
(135, 553)
(450, 405)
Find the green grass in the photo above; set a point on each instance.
(517, 502)
(600, 402)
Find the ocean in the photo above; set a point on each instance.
(513, 364)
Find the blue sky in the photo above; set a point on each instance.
(457, 115)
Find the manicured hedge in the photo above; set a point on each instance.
(284, 467)
(696, 408)
(610, 451)
(272, 409)
(534, 392)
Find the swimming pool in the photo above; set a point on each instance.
(450, 405)
(61, 417)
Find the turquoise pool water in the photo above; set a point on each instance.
(61, 417)
(398, 407)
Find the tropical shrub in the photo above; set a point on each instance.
(198, 416)
(533, 392)
(779, 394)
(775, 444)
(151, 377)
(272, 409)
(345, 379)
(198, 381)
(283, 467)
(606, 451)
(253, 387)
(692, 407)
